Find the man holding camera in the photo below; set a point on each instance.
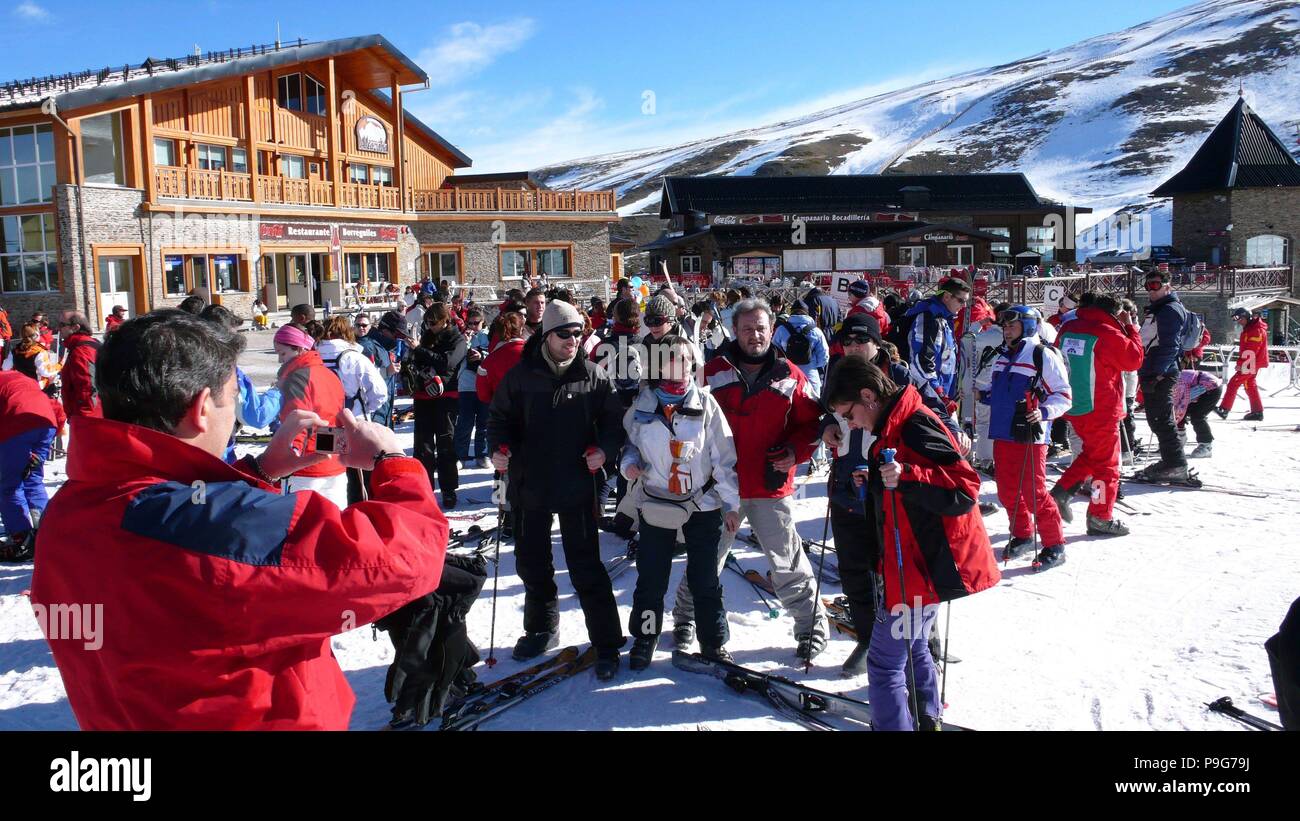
(219, 595)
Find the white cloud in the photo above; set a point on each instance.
(28, 10)
(468, 48)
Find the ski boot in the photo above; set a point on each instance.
(1162, 471)
(683, 635)
(1253, 416)
(988, 508)
(1016, 547)
(607, 663)
(1105, 527)
(19, 548)
(856, 663)
(449, 500)
(810, 646)
(930, 724)
(1222, 412)
(1204, 450)
(717, 654)
(1061, 495)
(532, 645)
(1050, 557)
(643, 650)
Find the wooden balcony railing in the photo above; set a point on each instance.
(194, 183)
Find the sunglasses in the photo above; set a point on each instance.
(855, 339)
(655, 322)
(567, 335)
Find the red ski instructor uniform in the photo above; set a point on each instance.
(1251, 359)
(1098, 350)
(219, 595)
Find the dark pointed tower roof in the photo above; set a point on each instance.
(1241, 152)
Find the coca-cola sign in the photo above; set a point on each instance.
(372, 135)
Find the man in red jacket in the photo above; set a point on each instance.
(219, 593)
(1099, 344)
(27, 426)
(774, 418)
(78, 374)
(1251, 359)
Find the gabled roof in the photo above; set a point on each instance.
(847, 193)
(428, 132)
(81, 89)
(1241, 152)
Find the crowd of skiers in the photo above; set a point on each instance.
(699, 414)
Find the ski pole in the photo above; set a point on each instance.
(888, 455)
(821, 565)
(496, 560)
(731, 562)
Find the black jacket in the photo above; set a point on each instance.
(444, 357)
(548, 422)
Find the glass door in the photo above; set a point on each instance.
(115, 286)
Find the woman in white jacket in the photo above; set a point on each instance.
(680, 446)
(364, 387)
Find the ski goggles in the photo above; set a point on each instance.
(656, 321)
(1007, 317)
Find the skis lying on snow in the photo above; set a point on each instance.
(474, 533)
(1193, 482)
(511, 691)
(806, 705)
(619, 565)
(1227, 708)
(734, 567)
(837, 611)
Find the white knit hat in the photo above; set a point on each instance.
(560, 314)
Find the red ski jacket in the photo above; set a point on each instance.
(305, 383)
(1098, 351)
(493, 369)
(78, 376)
(780, 409)
(217, 610)
(23, 406)
(946, 551)
(879, 313)
(1254, 339)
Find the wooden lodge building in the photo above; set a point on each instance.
(869, 223)
(292, 172)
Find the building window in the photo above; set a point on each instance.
(289, 92)
(1000, 249)
(212, 157)
(859, 259)
(913, 255)
(381, 175)
(101, 149)
(28, 254)
(293, 167)
(1041, 239)
(809, 260)
(552, 263)
(315, 96)
(164, 152)
(183, 272)
(239, 160)
(689, 265)
(358, 173)
(174, 276)
(370, 268)
(1267, 250)
(442, 265)
(26, 164)
(961, 255)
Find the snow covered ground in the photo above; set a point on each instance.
(1131, 633)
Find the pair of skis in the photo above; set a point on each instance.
(805, 705)
(486, 701)
(1225, 707)
(830, 570)
(1193, 482)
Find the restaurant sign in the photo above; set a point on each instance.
(371, 135)
(767, 219)
(322, 232)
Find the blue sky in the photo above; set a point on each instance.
(522, 84)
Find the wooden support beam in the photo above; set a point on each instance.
(150, 175)
(252, 135)
(332, 144)
(399, 134)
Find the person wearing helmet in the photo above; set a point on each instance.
(1251, 359)
(1029, 387)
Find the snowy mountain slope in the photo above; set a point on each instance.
(1100, 123)
(1131, 633)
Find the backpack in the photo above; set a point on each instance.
(798, 346)
(333, 365)
(1192, 330)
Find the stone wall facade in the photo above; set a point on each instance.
(113, 222)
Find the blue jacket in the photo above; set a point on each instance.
(467, 382)
(257, 410)
(933, 352)
(375, 346)
(1162, 334)
(820, 356)
(1012, 373)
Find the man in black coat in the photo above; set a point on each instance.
(823, 308)
(554, 421)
